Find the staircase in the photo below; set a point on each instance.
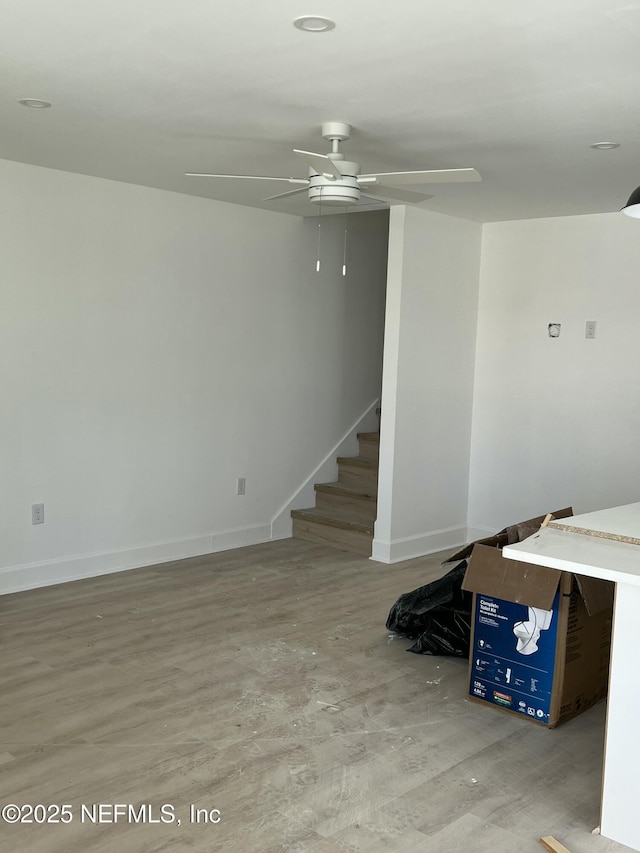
(345, 511)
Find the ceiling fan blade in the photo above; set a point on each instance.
(426, 176)
(385, 192)
(246, 177)
(322, 164)
(369, 201)
(284, 195)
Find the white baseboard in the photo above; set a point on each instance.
(79, 566)
(326, 472)
(474, 533)
(418, 546)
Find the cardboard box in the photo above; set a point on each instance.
(540, 637)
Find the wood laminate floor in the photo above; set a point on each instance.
(262, 683)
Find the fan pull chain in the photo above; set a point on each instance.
(344, 251)
(319, 224)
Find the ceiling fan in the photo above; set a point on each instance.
(335, 181)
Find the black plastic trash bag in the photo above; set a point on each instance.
(437, 616)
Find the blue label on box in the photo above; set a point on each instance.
(514, 649)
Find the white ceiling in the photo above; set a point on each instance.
(144, 90)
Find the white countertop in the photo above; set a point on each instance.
(618, 522)
(579, 553)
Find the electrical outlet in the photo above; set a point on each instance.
(37, 513)
(590, 329)
(240, 489)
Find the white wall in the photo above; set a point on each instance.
(431, 315)
(155, 347)
(556, 421)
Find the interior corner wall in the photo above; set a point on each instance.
(556, 420)
(155, 347)
(427, 390)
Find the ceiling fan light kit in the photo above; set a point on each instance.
(334, 181)
(342, 191)
(632, 207)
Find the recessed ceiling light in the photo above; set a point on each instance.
(605, 146)
(314, 24)
(35, 103)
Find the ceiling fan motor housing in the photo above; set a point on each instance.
(336, 191)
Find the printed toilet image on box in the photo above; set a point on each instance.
(528, 632)
(514, 650)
